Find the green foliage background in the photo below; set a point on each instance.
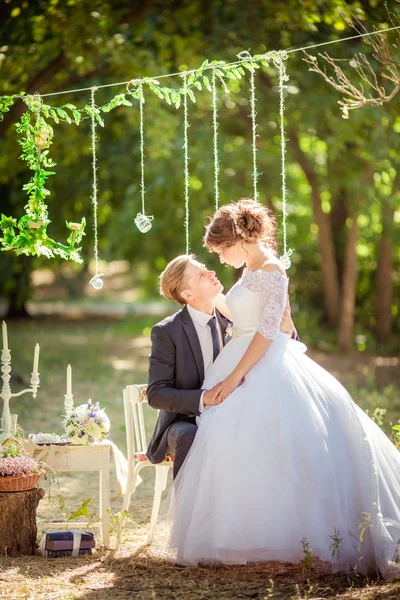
(56, 45)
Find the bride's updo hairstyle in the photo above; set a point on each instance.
(245, 220)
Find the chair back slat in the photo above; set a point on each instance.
(142, 428)
(130, 438)
(134, 396)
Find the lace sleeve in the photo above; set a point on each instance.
(271, 287)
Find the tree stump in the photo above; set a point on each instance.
(18, 528)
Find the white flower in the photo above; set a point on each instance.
(86, 424)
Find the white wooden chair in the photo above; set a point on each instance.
(134, 396)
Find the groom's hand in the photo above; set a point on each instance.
(286, 325)
(210, 397)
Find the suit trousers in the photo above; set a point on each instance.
(180, 438)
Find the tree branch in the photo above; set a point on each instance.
(356, 96)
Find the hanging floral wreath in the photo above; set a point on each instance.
(28, 235)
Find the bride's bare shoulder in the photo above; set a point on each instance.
(273, 264)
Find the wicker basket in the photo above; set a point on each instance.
(17, 483)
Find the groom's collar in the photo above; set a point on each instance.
(201, 318)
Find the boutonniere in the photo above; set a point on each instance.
(228, 331)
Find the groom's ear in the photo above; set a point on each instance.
(187, 295)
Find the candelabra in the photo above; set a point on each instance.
(6, 394)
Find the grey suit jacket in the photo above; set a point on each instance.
(175, 376)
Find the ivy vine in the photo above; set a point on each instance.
(28, 235)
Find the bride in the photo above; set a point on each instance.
(287, 459)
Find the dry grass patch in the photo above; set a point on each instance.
(135, 572)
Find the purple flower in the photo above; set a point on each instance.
(19, 465)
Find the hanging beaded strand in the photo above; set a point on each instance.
(142, 221)
(283, 78)
(186, 160)
(96, 281)
(215, 130)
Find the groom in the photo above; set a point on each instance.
(183, 346)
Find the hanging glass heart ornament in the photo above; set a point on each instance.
(285, 259)
(96, 282)
(143, 222)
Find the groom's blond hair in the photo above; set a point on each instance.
(173, 280)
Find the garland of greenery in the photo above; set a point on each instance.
(28, 235)
(35, 139)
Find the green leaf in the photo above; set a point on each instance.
(82, 511)
(77, 116)
(6, 222)
(167, 95)
(156, 90)
(191, 95)
(98, 118)
(207, 83)
(237, 73)
(62, 113)
(53, 113)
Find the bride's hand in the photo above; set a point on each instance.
(228, 386)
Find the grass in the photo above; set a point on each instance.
(106, 355)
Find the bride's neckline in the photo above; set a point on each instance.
(261, 270)
(267, 257)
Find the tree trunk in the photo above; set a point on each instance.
(18, 521)
(269, 204)
(338, 218)
(330, 278)
(384, 283)
(349, 285)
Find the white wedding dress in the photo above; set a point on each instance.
(288, 456)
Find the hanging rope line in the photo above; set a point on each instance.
(290, 51)
(280, 63)
(142, 221)
(186, 161)
(96, 281)
(215, 130)
(254, 132)
(246, 56)
(142, 190)
(38, 100)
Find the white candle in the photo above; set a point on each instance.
(69, 381)
(36, 360)
(5, 338)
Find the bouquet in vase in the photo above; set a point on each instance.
(86, 424)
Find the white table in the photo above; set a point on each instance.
(95, 457)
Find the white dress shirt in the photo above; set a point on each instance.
(203, 330)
